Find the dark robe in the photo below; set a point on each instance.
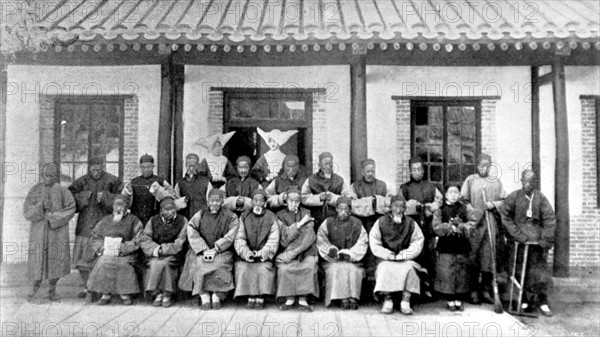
(143, 204)
(205, 231)
(115, 274)
(237, 187)
(49, 209)
(396, 237)
(163, 271)
(297, 257)
(317, 183)
(195, 189)
(540, 227)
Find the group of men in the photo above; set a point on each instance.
(294, 239)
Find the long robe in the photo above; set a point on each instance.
(343, 279)
(540, 227)
(143, 204)
(396, 246)
(206, 231)
(317, 184)
(115, 274)
(256, 233)
(297, 258)
(196, 189)
(453, 248)
(49, 210)
(85, 189)
(480, 258)
(171, 238)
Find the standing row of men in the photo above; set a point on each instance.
(234, 221)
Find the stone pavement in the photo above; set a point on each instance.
(72, 317)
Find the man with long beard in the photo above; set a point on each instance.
(163, 242)
(297, 259)
(94, 194)
(114, 272)
(342, 242)
(208, 269)
(49, 207)
(256, 243)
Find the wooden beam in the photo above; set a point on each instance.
(561, 178)
(545, 79)
(165, 121)
(535, 122)
(178, 79)
(358, 118)
(597, 100)
(3, 98)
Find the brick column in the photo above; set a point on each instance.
(488, 128)
(319, 125)
(215, 112)
(402, 141)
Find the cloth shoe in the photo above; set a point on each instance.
(388, 307)
(405, 308)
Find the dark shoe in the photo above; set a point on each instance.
(216, 305)
(104, 301)
(475, 298)
(259, 305)
(460, 307)
(157, 302)
(167, 303)
(127, 301)
(285, 307)
(250, 305)
(53, 297)
(82, 294)
(307, 308)
(353, 305)
(206, 306)
(345, 305)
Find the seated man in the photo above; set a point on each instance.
(256, 243)
(163, 242)
(208, 270)
(297, 258)
(396, 240)
(116, 243)
(342, 242)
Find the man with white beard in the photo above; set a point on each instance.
(114, 272)
(256, 243)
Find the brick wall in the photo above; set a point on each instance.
(319, 122)
(402, 141)
(488, 127)
(584, 227)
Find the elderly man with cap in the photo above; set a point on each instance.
(342, 242)
(297, 258)
(238, 190)
(144, 204)
(322, 189)
(396, 241)
(256, 244)
(163, 242)
(94, 194)
(49, 207)
(290, 176)
(423, 198)
(486, 194)
(194, 187)
(370, 200)
(115, 244)
(529, 218)
(208, 269)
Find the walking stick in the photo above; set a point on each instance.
(497, 303)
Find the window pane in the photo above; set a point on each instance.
(112, 151)
(98, 150)
(80, 169)
(112, 168)
(467, 170)
(275, 108)
(454, 115)
(468, 155)
(435, 172)
(454, 173)
(435, 154)
(81, 152)
(436, 135)
(421, 134)
(469, 115)
(435, 115)
(421, 115)
(454, 154)
(468, 133)
(454, 136)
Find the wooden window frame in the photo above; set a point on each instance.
(445, 103)
(109, 100)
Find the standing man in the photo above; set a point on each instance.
(342, 242)
(208, 269)
(297, 259)
(94, 194)
(486, 194)
(423, 198)
(239, 189)
(396, 241)
(291, 175)
(368, 204)
(163, 242)
(48, 207)
(256, 244)
(144, 204)
(193, 186)
(322, 189)
(529, 217)
(115, 244)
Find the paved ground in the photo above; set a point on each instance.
(71, 317)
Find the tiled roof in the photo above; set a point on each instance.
(302, 21)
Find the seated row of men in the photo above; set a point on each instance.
(231, 227)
